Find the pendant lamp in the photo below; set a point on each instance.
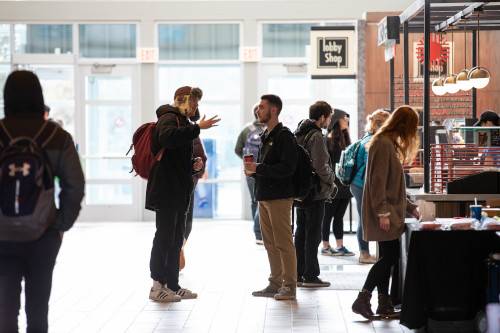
(463, 81)
(479, 76)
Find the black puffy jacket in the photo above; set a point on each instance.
(170, 183)
(277, 163)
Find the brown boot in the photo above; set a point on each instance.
(385, 307)
(362, 304)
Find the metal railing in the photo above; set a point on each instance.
(453, 161)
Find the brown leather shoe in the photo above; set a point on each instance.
(362, 304)
(385, 307)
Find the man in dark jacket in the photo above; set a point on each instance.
(310, 214)
(274, 192)
(169, 189)
(34, 261)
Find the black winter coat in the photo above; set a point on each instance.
(277, 163)
(64, 161)
(170, 183)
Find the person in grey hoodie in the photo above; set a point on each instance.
(311, 211)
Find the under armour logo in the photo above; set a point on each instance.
(25, 169)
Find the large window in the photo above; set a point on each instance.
(222, 184)
(107, 40)
(4, 60)
(285, 40)
(4, 43)
(44, 38)
(199, 41)
(289, 78)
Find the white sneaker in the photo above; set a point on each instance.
(163, 295)
(186, 294)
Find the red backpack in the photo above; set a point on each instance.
(143, 159)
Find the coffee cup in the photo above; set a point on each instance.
(248, 158)
(475, 212)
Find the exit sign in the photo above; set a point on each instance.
(148, 55)
(250, 54)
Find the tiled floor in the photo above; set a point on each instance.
(101, 284)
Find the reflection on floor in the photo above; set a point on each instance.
(101, 284)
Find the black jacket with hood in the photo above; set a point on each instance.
(277, 163)
(170, 183)
(320, 157)
(24, 116)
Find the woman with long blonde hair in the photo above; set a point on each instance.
(374, 122)
(385, 205)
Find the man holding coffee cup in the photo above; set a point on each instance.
(274, 191)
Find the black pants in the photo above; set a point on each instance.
(189, 217)
(308, 238)
(167, 244)
(33, 261)
(336, 210)
(380, 273)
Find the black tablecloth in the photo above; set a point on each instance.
(446, 274)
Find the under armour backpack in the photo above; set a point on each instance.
(253, 141)
(27, 205)
(143, 158)
(346, 168)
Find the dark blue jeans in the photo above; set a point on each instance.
(255, 208)
(34, 262)
(357, 192)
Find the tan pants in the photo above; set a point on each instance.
(276, 228)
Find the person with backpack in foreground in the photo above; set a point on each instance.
(33, 151)
(373, 123)
(274, 191)
(385, 204)
(169, 189)
(248, 144)
(337, 140)
(311, 211)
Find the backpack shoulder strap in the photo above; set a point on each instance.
(309, 136)
(46, 133)
(5, 137)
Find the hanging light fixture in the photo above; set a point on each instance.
(463, 81)
(479, 76)
(438, 87)
(450, 83)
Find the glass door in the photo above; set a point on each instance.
(109, 113)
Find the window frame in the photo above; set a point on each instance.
(292, 60)
(198, 62)
(119, 61)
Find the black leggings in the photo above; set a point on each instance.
(380, 272)
(336, 210)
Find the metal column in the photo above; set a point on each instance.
(426, 111)
(474, 64)
(406, 64)
(391, 84)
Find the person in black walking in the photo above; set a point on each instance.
(34, 260)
